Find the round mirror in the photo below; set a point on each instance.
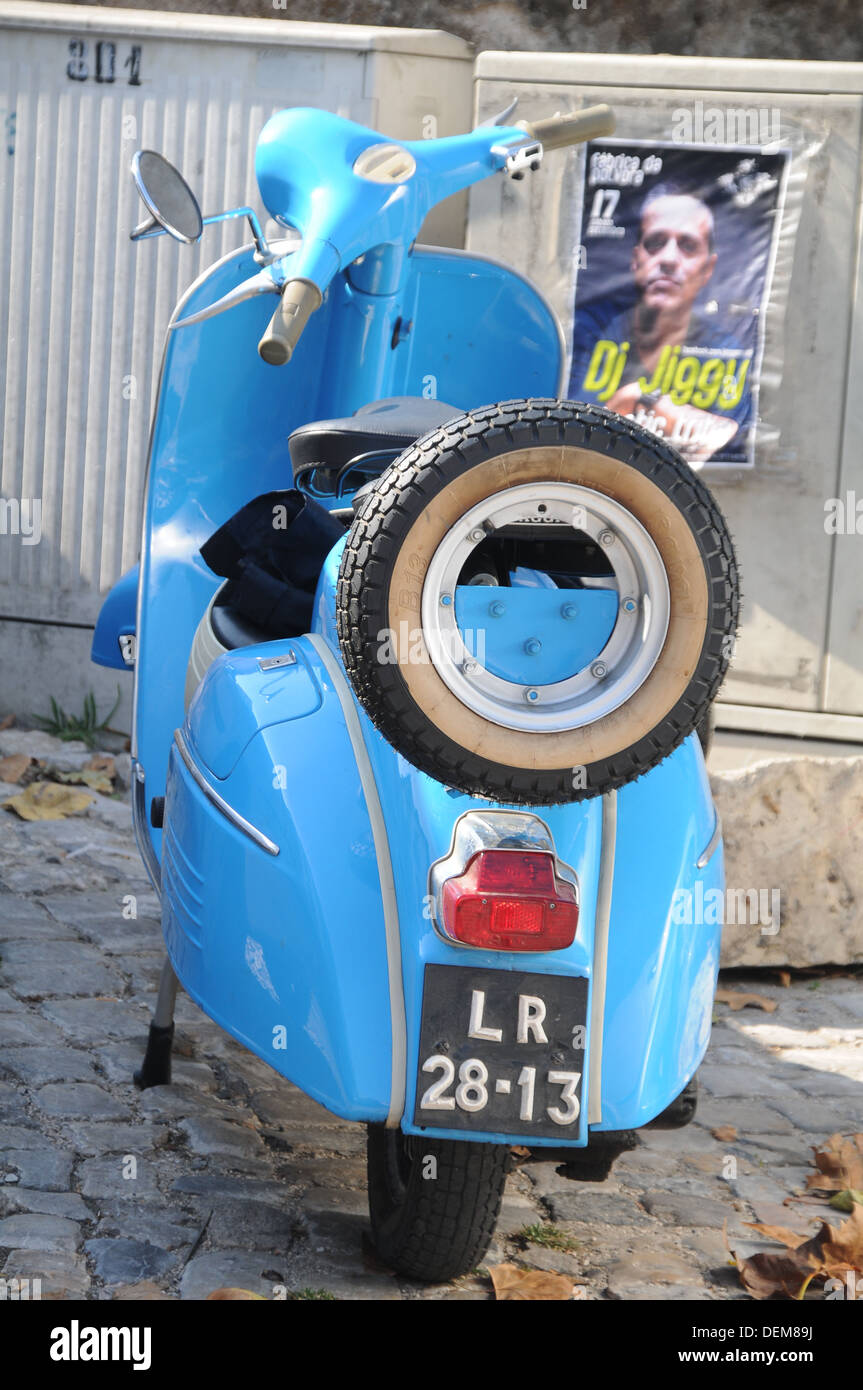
(167, 196)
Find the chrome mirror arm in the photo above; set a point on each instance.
(263, 254)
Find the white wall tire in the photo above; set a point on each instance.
(403, 551)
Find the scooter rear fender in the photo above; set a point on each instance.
(314, 957)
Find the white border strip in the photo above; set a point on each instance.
(600, 955)
(385, 874)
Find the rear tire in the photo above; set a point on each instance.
(405, 525)
(433, 1220)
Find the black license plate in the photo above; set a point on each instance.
(501, 1051)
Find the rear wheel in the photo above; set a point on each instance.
(433, 1203)
(594, 566)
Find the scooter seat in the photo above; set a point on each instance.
(388, 426)
(232, 629)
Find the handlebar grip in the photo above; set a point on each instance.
(557, 131)
(299, 300)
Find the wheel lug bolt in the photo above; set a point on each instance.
(477, 535)
(599, 670)
(629, 605)
(497, 610)
(446, 600)
(606, 538)
(569, 610)
(470, 667)
(531, 696)
(532, 646)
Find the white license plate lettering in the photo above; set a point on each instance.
(434, 1098)
(569, 1081)
(527, 1082)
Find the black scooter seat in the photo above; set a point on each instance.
(390, 425)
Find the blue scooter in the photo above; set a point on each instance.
(422, 658)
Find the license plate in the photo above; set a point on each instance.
(501, 1051)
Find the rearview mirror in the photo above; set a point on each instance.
(167, 197)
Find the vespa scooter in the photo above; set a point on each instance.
(420, 652)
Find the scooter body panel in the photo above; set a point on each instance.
(286, 951)
(116, 619)
(293, 953)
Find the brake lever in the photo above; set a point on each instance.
(519, 156)
(502, 117)
(270, 280)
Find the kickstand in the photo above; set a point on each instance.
(155, 1069)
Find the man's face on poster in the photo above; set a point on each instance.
(673, 259)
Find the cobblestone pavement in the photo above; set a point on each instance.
(231, 1176)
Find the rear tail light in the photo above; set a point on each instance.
(510, 900)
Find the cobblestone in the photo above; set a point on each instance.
(49, 1170)
(123, 1261)
(32, 1231)
(79, 1100)
(62, 1274)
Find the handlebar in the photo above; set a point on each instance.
(555, 132)
(325, 154)
(297, 303)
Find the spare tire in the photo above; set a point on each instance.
(621, 546)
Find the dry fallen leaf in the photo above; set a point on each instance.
(725, 1133)
(12, 769)
(234, 1295)
(846, 1199)
(737, 1000)
(101, 762)
(783, 1234)
(88, 777)
(839, 1164)
(512, 1283)
(831, 1252)
(48, 801)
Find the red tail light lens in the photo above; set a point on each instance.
(510, 900)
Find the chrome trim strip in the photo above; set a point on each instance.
(712, 845)
(600, 955)
(139, 825)
(219, 802)
(385, 874)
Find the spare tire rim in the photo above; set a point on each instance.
(616, 671)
